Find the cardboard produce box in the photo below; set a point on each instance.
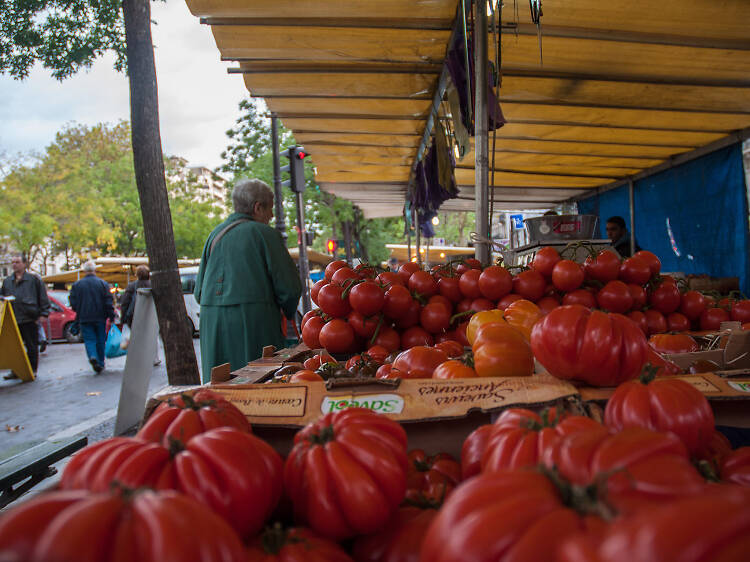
(733, 352)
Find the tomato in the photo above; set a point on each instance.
(583, 297)
(468, 284)
(635, 270)
(305, 375)
(517, 515)
(363, 327)
(232, 472)
(388, 338)
(443, 300)
(388, 278)
(409, 317)
(657, 323)
(296, 544)
(665, 298)
(416, 336)
(740, 311)
(530, 285)
(463, 306)
(522, 315)
(378, 353)
(482, 304)
(692, 304)
(567, 275)
(448, 287)
(735, 468)
(329, 473)
(503, 303)
(673, 343)
(308, 315)
(431, 478)
(573, 342)
(544, 260)
(664, 367)
(605, 267)
(453, 369)
(473, 449)
(344, 276)
(522, 438)
(143, 525)
(332, 301)
(186, 415)
(662, 405)
(547, 304)
(480, 318)
(501, 351)
(315, 289)
(615, 297)
(367, 298)
(712, 525)
(495, 282)
(336, 336)
(677, 322)
(311, 332)
(422, 283)
(317, 360)
(451, 348)
(399, 541)
(640, 319)
(637, 467)
(640, 298)
(420, 362)
(396, 301)
(366, 271)
(715, 451)
(473, 263)
(460, 334)
(332, 267)
(711, 318)
(654, 263)
(435, 318)
(406, 271)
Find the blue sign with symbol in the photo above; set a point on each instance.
(517, 221)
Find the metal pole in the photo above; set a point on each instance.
(278, 197)
(347, 226)
(419, 238)
(408, 242)
(304, 265)
(631, 195)
(481, 148)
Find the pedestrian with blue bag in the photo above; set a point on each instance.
(92, 301)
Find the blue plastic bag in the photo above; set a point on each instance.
(112, 347)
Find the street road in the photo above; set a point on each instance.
(66, 399)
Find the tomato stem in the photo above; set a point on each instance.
(461, 315)
(649, 373)
(323, 436)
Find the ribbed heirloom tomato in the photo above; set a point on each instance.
(187, 415)
(501, 351)
(431, 478)
(573, 342)
(297, 544)
(142, 525)
(480, 318)
(522, 315)
(453, 370)
(399, 541)
(346, 473)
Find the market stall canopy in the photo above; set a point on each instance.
(430, 254)
(622, 86)
(113, 270)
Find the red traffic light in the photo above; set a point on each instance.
(301, 155)
(331, 246)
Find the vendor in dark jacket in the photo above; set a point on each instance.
(92, 302)
(30, 303)
(618, 234)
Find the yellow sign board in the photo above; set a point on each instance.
(12, 352)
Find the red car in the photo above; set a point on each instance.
(61, 316)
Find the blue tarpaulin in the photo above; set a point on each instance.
(693, 216)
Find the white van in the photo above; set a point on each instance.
(187, 278)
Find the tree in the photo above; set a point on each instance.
(66, 35)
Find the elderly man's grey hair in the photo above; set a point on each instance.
(89, 267)
(247, 193)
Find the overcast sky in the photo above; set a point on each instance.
(197, 98)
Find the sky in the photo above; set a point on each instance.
(197, 97)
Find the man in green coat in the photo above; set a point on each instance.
(246, 275)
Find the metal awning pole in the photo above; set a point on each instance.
(481, 148)
(419, 253)
(278, 197)
(631, 196)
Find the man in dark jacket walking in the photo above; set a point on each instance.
(92, 301)
(30, 303)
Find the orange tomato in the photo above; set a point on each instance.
(480, 318)
(504, 359)
(522, 315)
(453, 370)
(305, 375)
(493, 332)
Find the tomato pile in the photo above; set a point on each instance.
(655, 481)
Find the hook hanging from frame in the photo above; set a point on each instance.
(536, 17)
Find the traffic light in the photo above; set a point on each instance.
(331, 246)
(296, 168)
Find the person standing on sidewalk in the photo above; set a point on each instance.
(30, 303)
(127, 304)
(91, 300)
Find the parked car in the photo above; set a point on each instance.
(187, 278)
(61, 317)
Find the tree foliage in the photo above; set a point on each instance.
(80, 197)
(64, 35)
